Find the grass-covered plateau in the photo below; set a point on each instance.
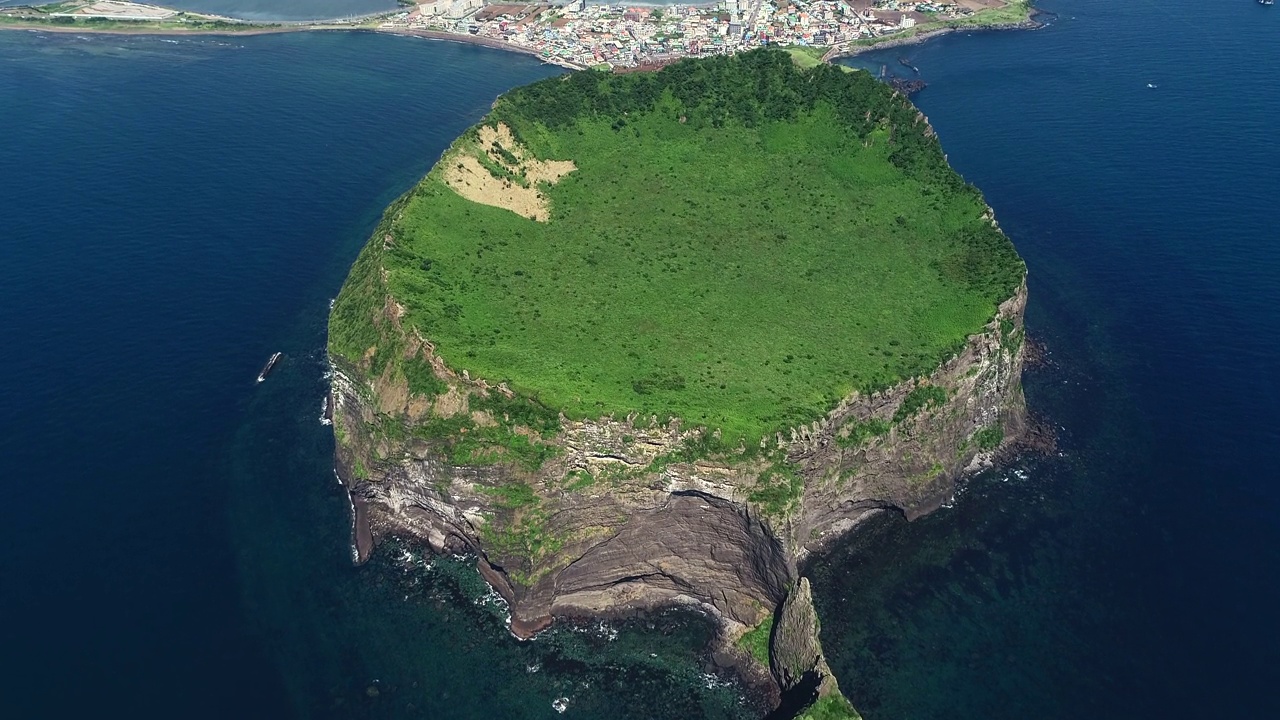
(739, 242)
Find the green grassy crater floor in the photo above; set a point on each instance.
(743, 243)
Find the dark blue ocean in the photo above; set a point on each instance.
(176, 209)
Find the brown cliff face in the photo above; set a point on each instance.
(613, 526)
(914, 465)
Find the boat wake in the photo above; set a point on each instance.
(271, 364)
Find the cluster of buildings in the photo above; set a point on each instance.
(586, 35)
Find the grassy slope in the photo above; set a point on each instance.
(1015, 11)
(806, 57)
(743, 278)
(756, 641)
(830, 707)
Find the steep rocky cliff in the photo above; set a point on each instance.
(621, 520)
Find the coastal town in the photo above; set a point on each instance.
(581, 34)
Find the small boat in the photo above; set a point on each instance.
(271, 364)
(1152, 86)
(1266, 2)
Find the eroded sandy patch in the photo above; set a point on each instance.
(499, 171)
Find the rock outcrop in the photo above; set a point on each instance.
(798, 663)
(797, 651)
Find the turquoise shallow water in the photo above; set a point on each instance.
(178, 208)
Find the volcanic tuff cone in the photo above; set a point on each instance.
(649, 338)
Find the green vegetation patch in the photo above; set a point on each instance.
(464, 442)
(360, 471)
(743, 243)
(579, 480)
(989, 438)
(860, 432)
(756, 641)
(524, 538)
(920, 398)
(807, 57)
(512, 496)
(1010, 14)
(778, 489)
(520, 531)
(1010, 336)
(422, 379)
(490, 445)
(830, 707)
(519, 411)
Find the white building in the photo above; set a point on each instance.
(432, 8)
(459, 9)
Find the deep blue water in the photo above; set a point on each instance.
(1136, 576)
(177, 546)
(177, 210)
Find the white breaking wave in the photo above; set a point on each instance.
(711, 681)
